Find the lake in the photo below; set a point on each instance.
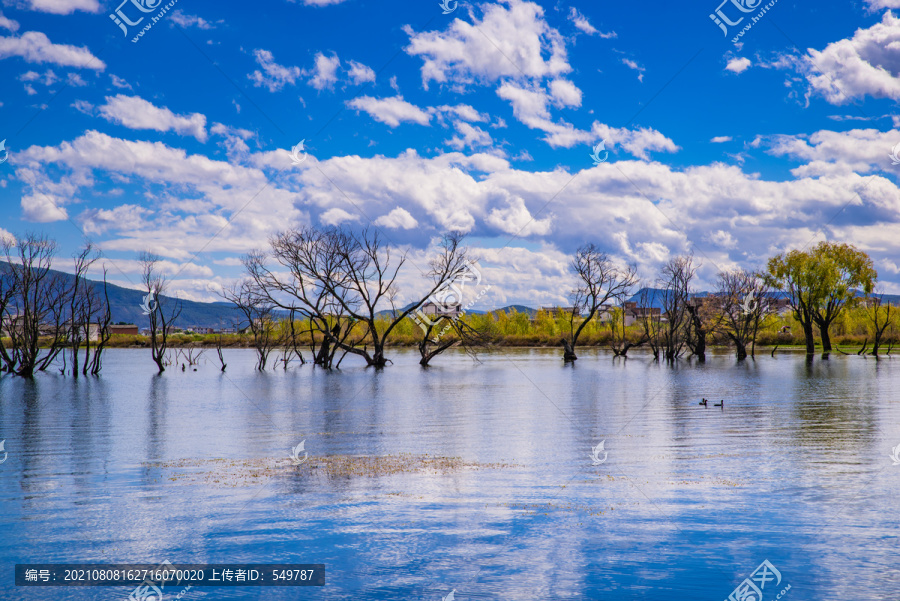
(682, 501)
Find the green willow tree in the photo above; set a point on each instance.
(819, 283)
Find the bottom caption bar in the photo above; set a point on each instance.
(154, 577)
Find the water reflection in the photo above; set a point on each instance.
(794, 469)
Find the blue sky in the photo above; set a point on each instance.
(417, 122)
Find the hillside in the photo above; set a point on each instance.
(125, 305)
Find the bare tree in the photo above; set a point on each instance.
(258, 317)
(36, 299)
(650, 321)
(339, 279)
(447, 303)
(162, 310)
(289, 340)
(599, 281)
(89, 315)
(618, 322)
(675, 282)
(463, 335)
(880, 316)
(742, 300)
(219, 352)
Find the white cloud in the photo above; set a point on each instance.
(636, 141)
(337, 216)
(721, 239)
(48, 78)
(633, 65)
(875, 5)
(469, 136)
(83, 106)
(9, 24)
(530, 106)
(123, 217)
(516, 219)
(136, 113)
(464, 112)
(64, 7)
(360, 73)
(831, 153)
(325, 71)
(119, 82)
(273, 76)
(565, 93)
(36, 47)
(321, 2)
(641, 211)
(194, 197)
(581, 21)
(738, 64)
(399, 218)
(391, 111)
(42, 208)
(507, 42)
(184, 20)
(720, 139)
(866, 64)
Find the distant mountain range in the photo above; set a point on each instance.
(126, 306)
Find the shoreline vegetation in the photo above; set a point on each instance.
(331, 305)
(513, 329)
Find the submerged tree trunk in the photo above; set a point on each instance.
(826, 338)
(568, 351)
(810, 340)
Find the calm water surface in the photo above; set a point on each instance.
(690, 500)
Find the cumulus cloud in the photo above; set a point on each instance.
(136, 113)
(634, 66)
(867, 64)
(194, 197)
(828, 152)
(509, 41)
(43, 208)
(738, 64)
(9, 24)
(399, 218)
(565, 93)
(875, 5)
(581, 21)
(636, 141)
(391, 111)
(641, 211)
(469, 136)
(720, 139)
(337, 216)
(360, 73)
(36, 47)
(463, 112)
(530, 106)
(273, 76)
(119, 82)
(324, 73)
(64, 7)
(184, 20)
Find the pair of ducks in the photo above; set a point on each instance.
(719, 404)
